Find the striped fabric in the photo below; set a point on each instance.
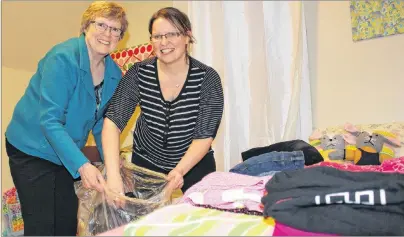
(165, 129)
(187, 220)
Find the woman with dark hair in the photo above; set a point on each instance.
(181, 102)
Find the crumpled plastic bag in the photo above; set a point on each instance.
(145, 191)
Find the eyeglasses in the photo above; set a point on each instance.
(168, 36)
(101, 27)
(168, 112)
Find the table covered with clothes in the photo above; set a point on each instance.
(289, 198)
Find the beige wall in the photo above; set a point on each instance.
(8, 101)
(42, 24)
(360, 82)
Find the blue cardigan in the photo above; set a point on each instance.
(53, 118)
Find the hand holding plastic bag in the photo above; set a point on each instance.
(115, 189)
(144, 191)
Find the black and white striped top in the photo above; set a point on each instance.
(164, 131)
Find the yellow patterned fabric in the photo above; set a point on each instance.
(372, 19)
(187, 220)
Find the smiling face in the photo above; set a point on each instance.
(102, 42)
(171, 47)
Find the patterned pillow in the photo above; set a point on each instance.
(394, 130)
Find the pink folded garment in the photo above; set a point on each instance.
(284, 230)
(348, 166)
(227, 190)
(395, 165)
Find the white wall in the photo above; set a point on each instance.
(360, 82)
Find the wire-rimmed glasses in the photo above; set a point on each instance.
(169, 36)
(102, 27)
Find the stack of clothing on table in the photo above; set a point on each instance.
(228, 192)
(241, 189)
(311, 154)
(334, 201)
(281, 156)
(286, 189)
(316, 200)
(325, 198)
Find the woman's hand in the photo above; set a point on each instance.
(115, 190)
(92, 177)
(115, 184)
(175, 179)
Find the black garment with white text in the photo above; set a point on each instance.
(328, 200)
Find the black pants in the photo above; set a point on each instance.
(48, 202)
(206, 166)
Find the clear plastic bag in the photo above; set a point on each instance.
(145, 191)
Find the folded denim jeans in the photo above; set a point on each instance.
(311, 154)
(270, 163)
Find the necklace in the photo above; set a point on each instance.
(178, 85)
